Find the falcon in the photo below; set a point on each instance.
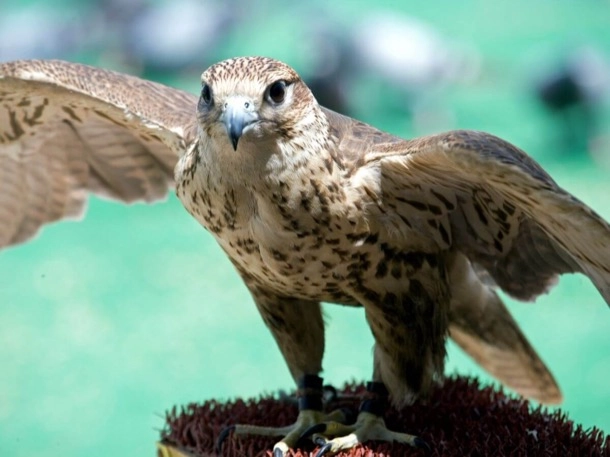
(312, 206)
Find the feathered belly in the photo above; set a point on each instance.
(295, 267)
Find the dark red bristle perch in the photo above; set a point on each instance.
(460, 418)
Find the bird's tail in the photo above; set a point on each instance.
(482, 326)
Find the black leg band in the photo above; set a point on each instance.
(375, 400)
(309, 392)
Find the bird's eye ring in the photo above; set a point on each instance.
(276, 92)
(206, 94)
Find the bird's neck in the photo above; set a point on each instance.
(301, 151)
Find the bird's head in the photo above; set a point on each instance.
(253, 101)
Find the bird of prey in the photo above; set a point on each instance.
(312, 206)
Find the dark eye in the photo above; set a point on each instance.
(206, 94)
(277, 92)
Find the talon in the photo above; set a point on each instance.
(320, 441)
(324, 449)
(223, 436)
(421, 444)
(280, 449)
(318, 428)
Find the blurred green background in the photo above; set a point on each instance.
(106, 323)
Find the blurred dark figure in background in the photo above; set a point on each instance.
(332, 64)
(164, 39)
(573, 91)
(158, 40)
(404, 65)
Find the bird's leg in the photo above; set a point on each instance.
(309, 395)
(409, 322)
(335, 436)
(298, 329)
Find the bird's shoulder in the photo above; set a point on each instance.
(357, 145)
(352, 140)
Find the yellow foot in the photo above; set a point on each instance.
(306, 419)
(336, 436)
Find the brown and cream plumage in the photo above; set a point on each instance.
(312, 206)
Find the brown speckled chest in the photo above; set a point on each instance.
(297, 235)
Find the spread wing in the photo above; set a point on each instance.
(484, 197)
(502, 210)
(68, 129)
(475, 194)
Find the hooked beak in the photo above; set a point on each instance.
(237, 115)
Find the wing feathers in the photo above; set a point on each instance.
(517, 207)
(123, 168)
(68, 129)
(482, 326)
(520, 370)
(11, 188)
